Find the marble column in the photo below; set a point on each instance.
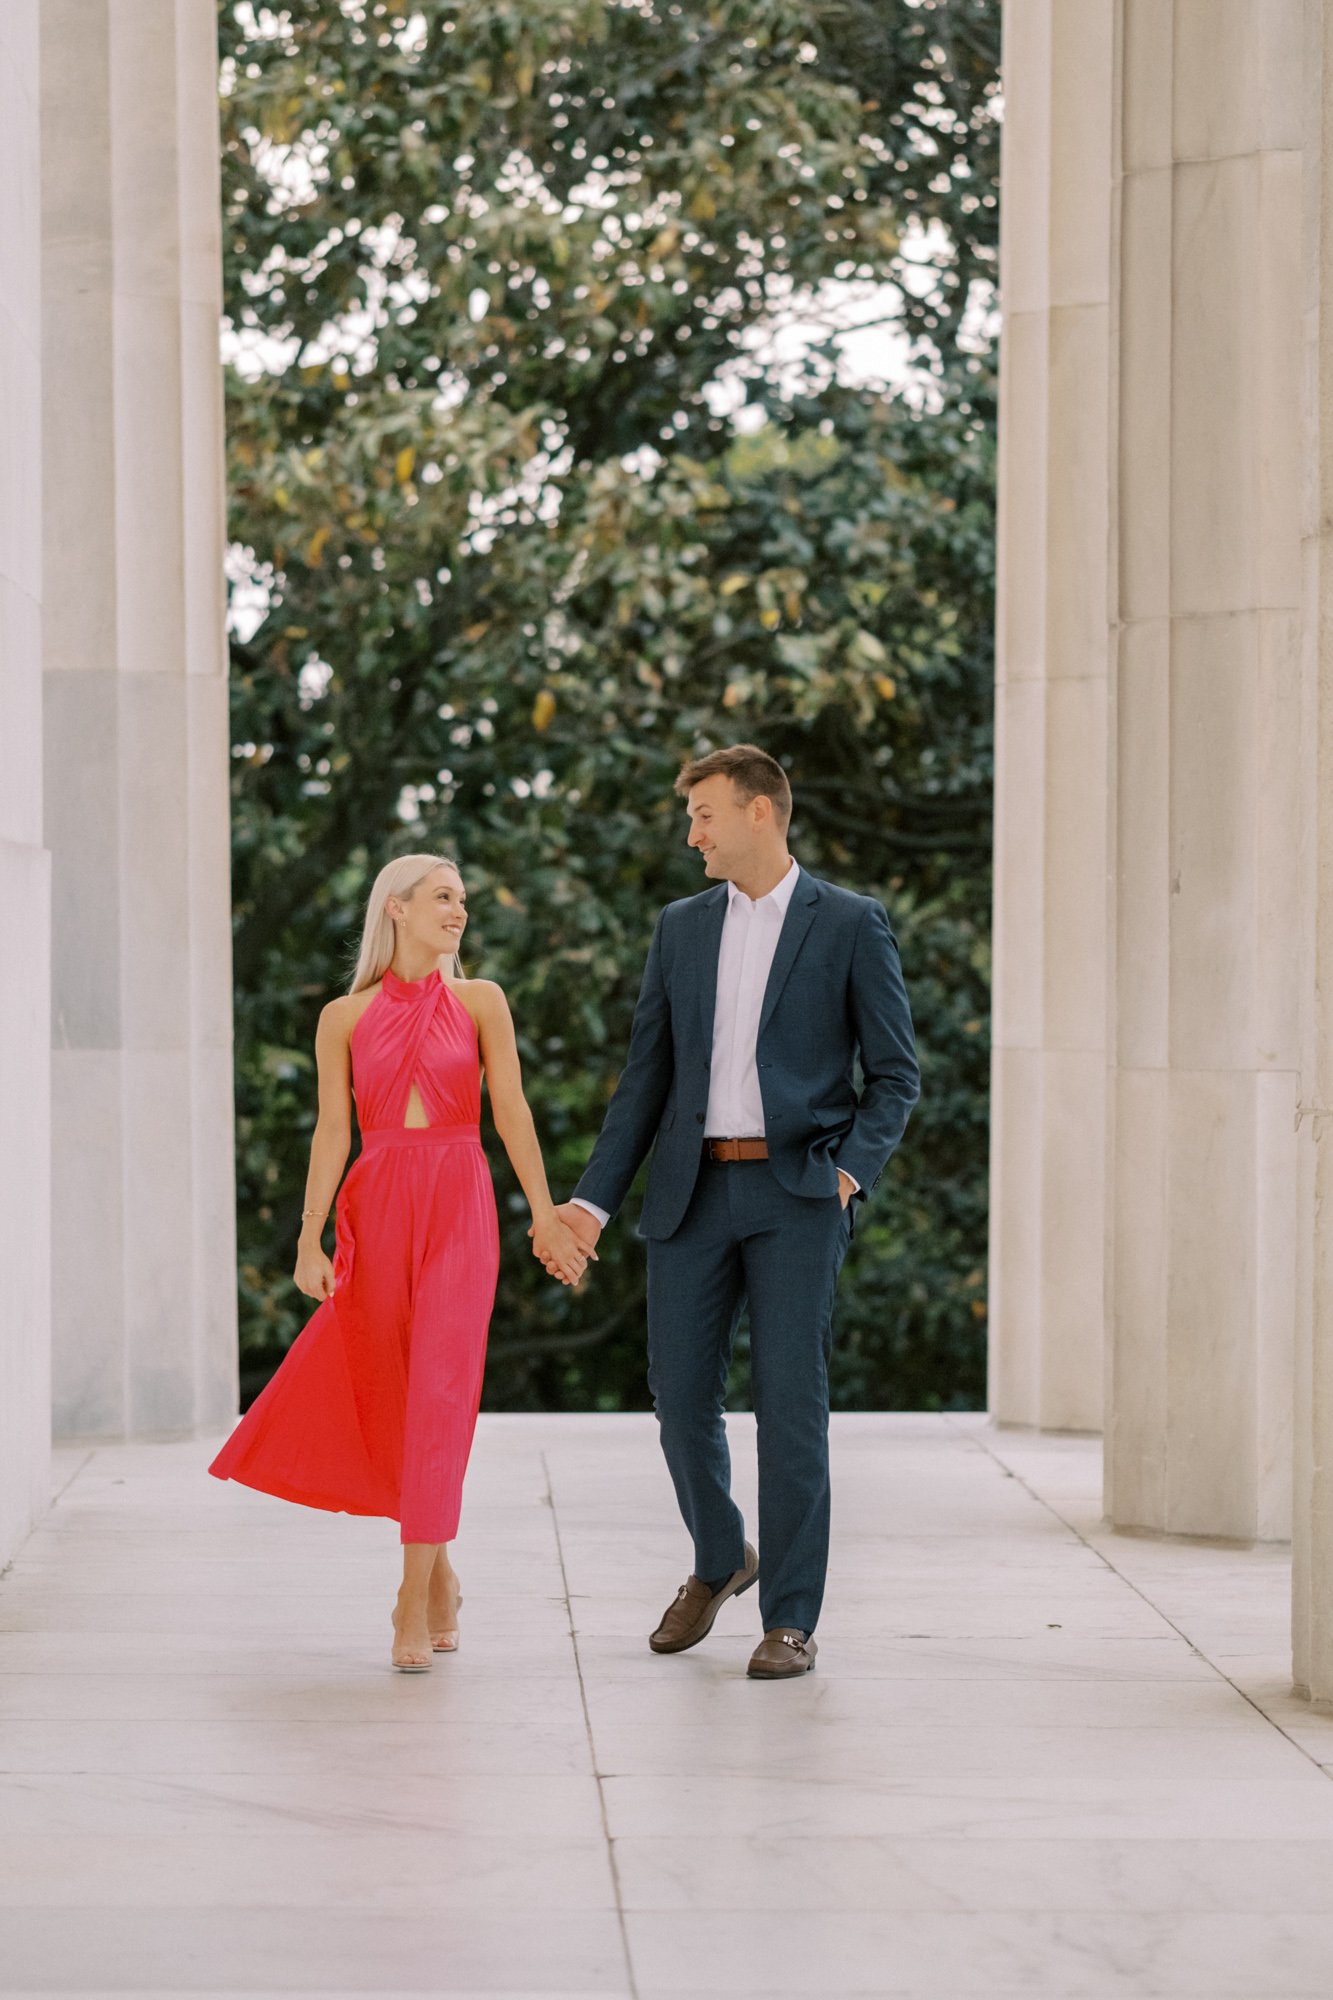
(1205, 760)
(136, 732)
(1312, 1525)
(1048, 1068)
(25, 1070)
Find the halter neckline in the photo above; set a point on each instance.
(394, 982)
(397, 991)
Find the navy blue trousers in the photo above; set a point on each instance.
(744, 1238)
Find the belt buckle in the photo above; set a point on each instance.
(728, 1149)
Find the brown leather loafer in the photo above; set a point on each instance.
(782, 1653)
(689, 1617)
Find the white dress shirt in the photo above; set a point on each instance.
(749, 939)
(750, 932)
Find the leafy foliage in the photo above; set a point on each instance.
(497, 278)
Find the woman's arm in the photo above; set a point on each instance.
(329, 1147)
(553, 1240)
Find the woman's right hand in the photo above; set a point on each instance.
(314, 1272)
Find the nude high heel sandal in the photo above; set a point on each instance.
(406, 1666)
(451, 1643)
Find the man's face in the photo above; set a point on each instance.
(723, 826)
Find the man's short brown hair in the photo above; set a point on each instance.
(752, 771)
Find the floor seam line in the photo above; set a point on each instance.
(587, 1724)
(1129, 1583)
(51, 1505)
(89, 1455)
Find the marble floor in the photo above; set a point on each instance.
(1036, 1758)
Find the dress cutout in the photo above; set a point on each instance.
(373, 1408)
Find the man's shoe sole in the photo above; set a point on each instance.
(683, 1645)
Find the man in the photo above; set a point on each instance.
(756, 997)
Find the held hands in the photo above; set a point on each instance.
(560, 1247)
(566, 1242)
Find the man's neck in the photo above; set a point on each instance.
(763, 876)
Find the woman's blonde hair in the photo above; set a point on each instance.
(396, 878)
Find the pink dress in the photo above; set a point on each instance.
(373, 1408)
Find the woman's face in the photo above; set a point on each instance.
(435, 914)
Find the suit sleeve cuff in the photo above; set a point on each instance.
(856, 1185)
(600, 1214)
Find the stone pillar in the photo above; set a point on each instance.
(1312, 1525)
(136, 720)
(1206, 736)
(1048, 1066)
(25, 1070)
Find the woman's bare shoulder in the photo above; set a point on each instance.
(339, 1016)
(483, 998)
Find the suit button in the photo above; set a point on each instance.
(698, 1118)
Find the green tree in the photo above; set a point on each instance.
(496, 278)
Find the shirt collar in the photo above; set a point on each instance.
(777, 898)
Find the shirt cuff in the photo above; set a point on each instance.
(600, 1214)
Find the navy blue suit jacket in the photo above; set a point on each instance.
(835, 991)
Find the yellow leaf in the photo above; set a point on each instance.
(543, 709)
(731, 584)
(887, 686)
(475, 631)
(314, 554)
(403, 464)
(732, 694)
(507, 897)
(770, 620)
(702, 207)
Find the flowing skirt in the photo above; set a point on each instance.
(373, 1408)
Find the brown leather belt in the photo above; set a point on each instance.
(737, 1149)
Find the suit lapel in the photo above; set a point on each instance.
(712, 919)
(800, 915)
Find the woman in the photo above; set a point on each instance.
(373, 1409)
